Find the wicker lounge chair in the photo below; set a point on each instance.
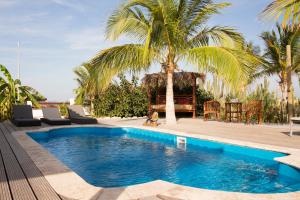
(211, 108)
(254, 108)
(52, 116)
(76, 115)
(22, 116)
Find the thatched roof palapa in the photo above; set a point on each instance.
(181, 79)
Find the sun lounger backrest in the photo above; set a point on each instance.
(22, 112)
(51, 113)
(76, 111)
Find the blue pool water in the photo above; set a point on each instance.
(113, 157)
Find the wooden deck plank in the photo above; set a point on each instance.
(40, 186)
(4, 187)
(20, 188)
(10, 125)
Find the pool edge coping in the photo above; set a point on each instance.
(69, 184)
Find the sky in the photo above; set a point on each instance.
(58, 35)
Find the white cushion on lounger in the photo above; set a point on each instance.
(295, 119)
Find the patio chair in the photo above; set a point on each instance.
(22, 116)
(211, 107)
(152, 120)
(254, 108)
(294, 120)
(52, 116)
(77, 115)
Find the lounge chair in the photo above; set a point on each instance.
(211, 108)
(294, 120)
(77, 115)
(22, 116)
(254, 108)
(52, 117)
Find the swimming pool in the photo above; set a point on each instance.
(114, 157)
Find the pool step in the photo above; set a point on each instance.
(181, 142)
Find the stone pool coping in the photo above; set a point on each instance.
(70, 185)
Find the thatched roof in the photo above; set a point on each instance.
(181, 79)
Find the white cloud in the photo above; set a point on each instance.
(28, 17)
(68, 18)
(88, 39)
(7, 3)
(15, 30)
(70, 4)
(91, 39)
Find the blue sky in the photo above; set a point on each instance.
(58, 35)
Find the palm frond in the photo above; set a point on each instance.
(129, 21)
(200, 16)
(224, 36)
(125, 57)
(27, 95)
(220, 61)
(285, 10)
(6, 73)
(275, 52)
(110, 62)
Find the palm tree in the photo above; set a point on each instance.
(82, 77)
(276, 55)
(170, 32)
(289, 12)
(88, 87)
(13, 92)
(286, 10)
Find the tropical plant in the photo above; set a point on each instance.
(170, 31)
(271, 109)
(88, 87)
(123, 99)
(202, 96)
(216, 87)
(63, 109)
(275, 57)
(288, 11)
(13, 92)
(222, 92)
(37, 95)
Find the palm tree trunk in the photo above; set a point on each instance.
(283, 99)
(289, 83)
(170, 107)
(92, 108)
(290, 99)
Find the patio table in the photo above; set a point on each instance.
(233, 110)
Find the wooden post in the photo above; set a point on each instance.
(157, 93)
(194, 95)
(149, 99)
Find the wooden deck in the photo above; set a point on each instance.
(19, 176)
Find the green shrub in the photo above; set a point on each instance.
(128, 99)
(4, 113)
(13, 92)
(271, 107)
(124, 99)
(63, 110)
(202, 96)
